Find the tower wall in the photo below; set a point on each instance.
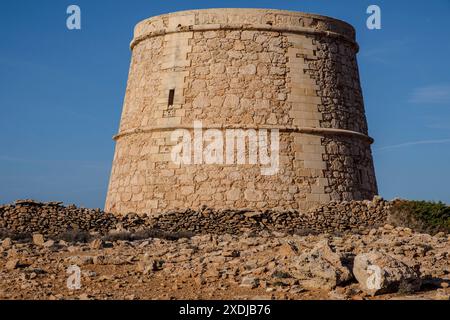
(242, 69)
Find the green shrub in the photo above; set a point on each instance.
(421, 216)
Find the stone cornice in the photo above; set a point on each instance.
(251, 27)
(306, 130)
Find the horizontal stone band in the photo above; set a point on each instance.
(261, 27)
(306, 130)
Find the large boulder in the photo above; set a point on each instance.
(379, 273)
(322, 268)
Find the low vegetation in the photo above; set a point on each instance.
(421, 216)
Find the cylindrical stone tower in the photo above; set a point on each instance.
(288, 81)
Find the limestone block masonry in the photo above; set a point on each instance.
(249, 69)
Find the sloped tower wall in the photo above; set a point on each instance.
(252, 69)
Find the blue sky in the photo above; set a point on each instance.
(61, 92)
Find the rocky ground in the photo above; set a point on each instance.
(379, 263)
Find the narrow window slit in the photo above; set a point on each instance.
(171, 97)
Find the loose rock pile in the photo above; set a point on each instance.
(53, 219)
(224, 254)
(381, 263)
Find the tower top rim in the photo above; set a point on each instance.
(242, 19)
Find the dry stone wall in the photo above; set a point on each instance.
(26, 217)
(247, 69)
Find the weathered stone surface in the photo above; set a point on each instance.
(213, 266)
(288, 250)
(249, 282)
(229, 69)
(76, 223)
(381, 273)
(6, 243)
(322, 268)
(80, 260)
(96, 244)
(12, 264)
(48, 244)
(147, 264)
(38, 239)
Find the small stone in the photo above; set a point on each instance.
(38, 239)
(48, 244)
(104, 278)
(249, 282)
(96, 244)
(83, 296)
(175, 287)
(99, 260)
(6, 243)
(73, 249)
(200, 281)
(287, 250)
(12, 264)
(147, 265)
(231, 253)
(442, 295)
(80, 260)
(337, 294)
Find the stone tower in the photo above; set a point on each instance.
(262, 71)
